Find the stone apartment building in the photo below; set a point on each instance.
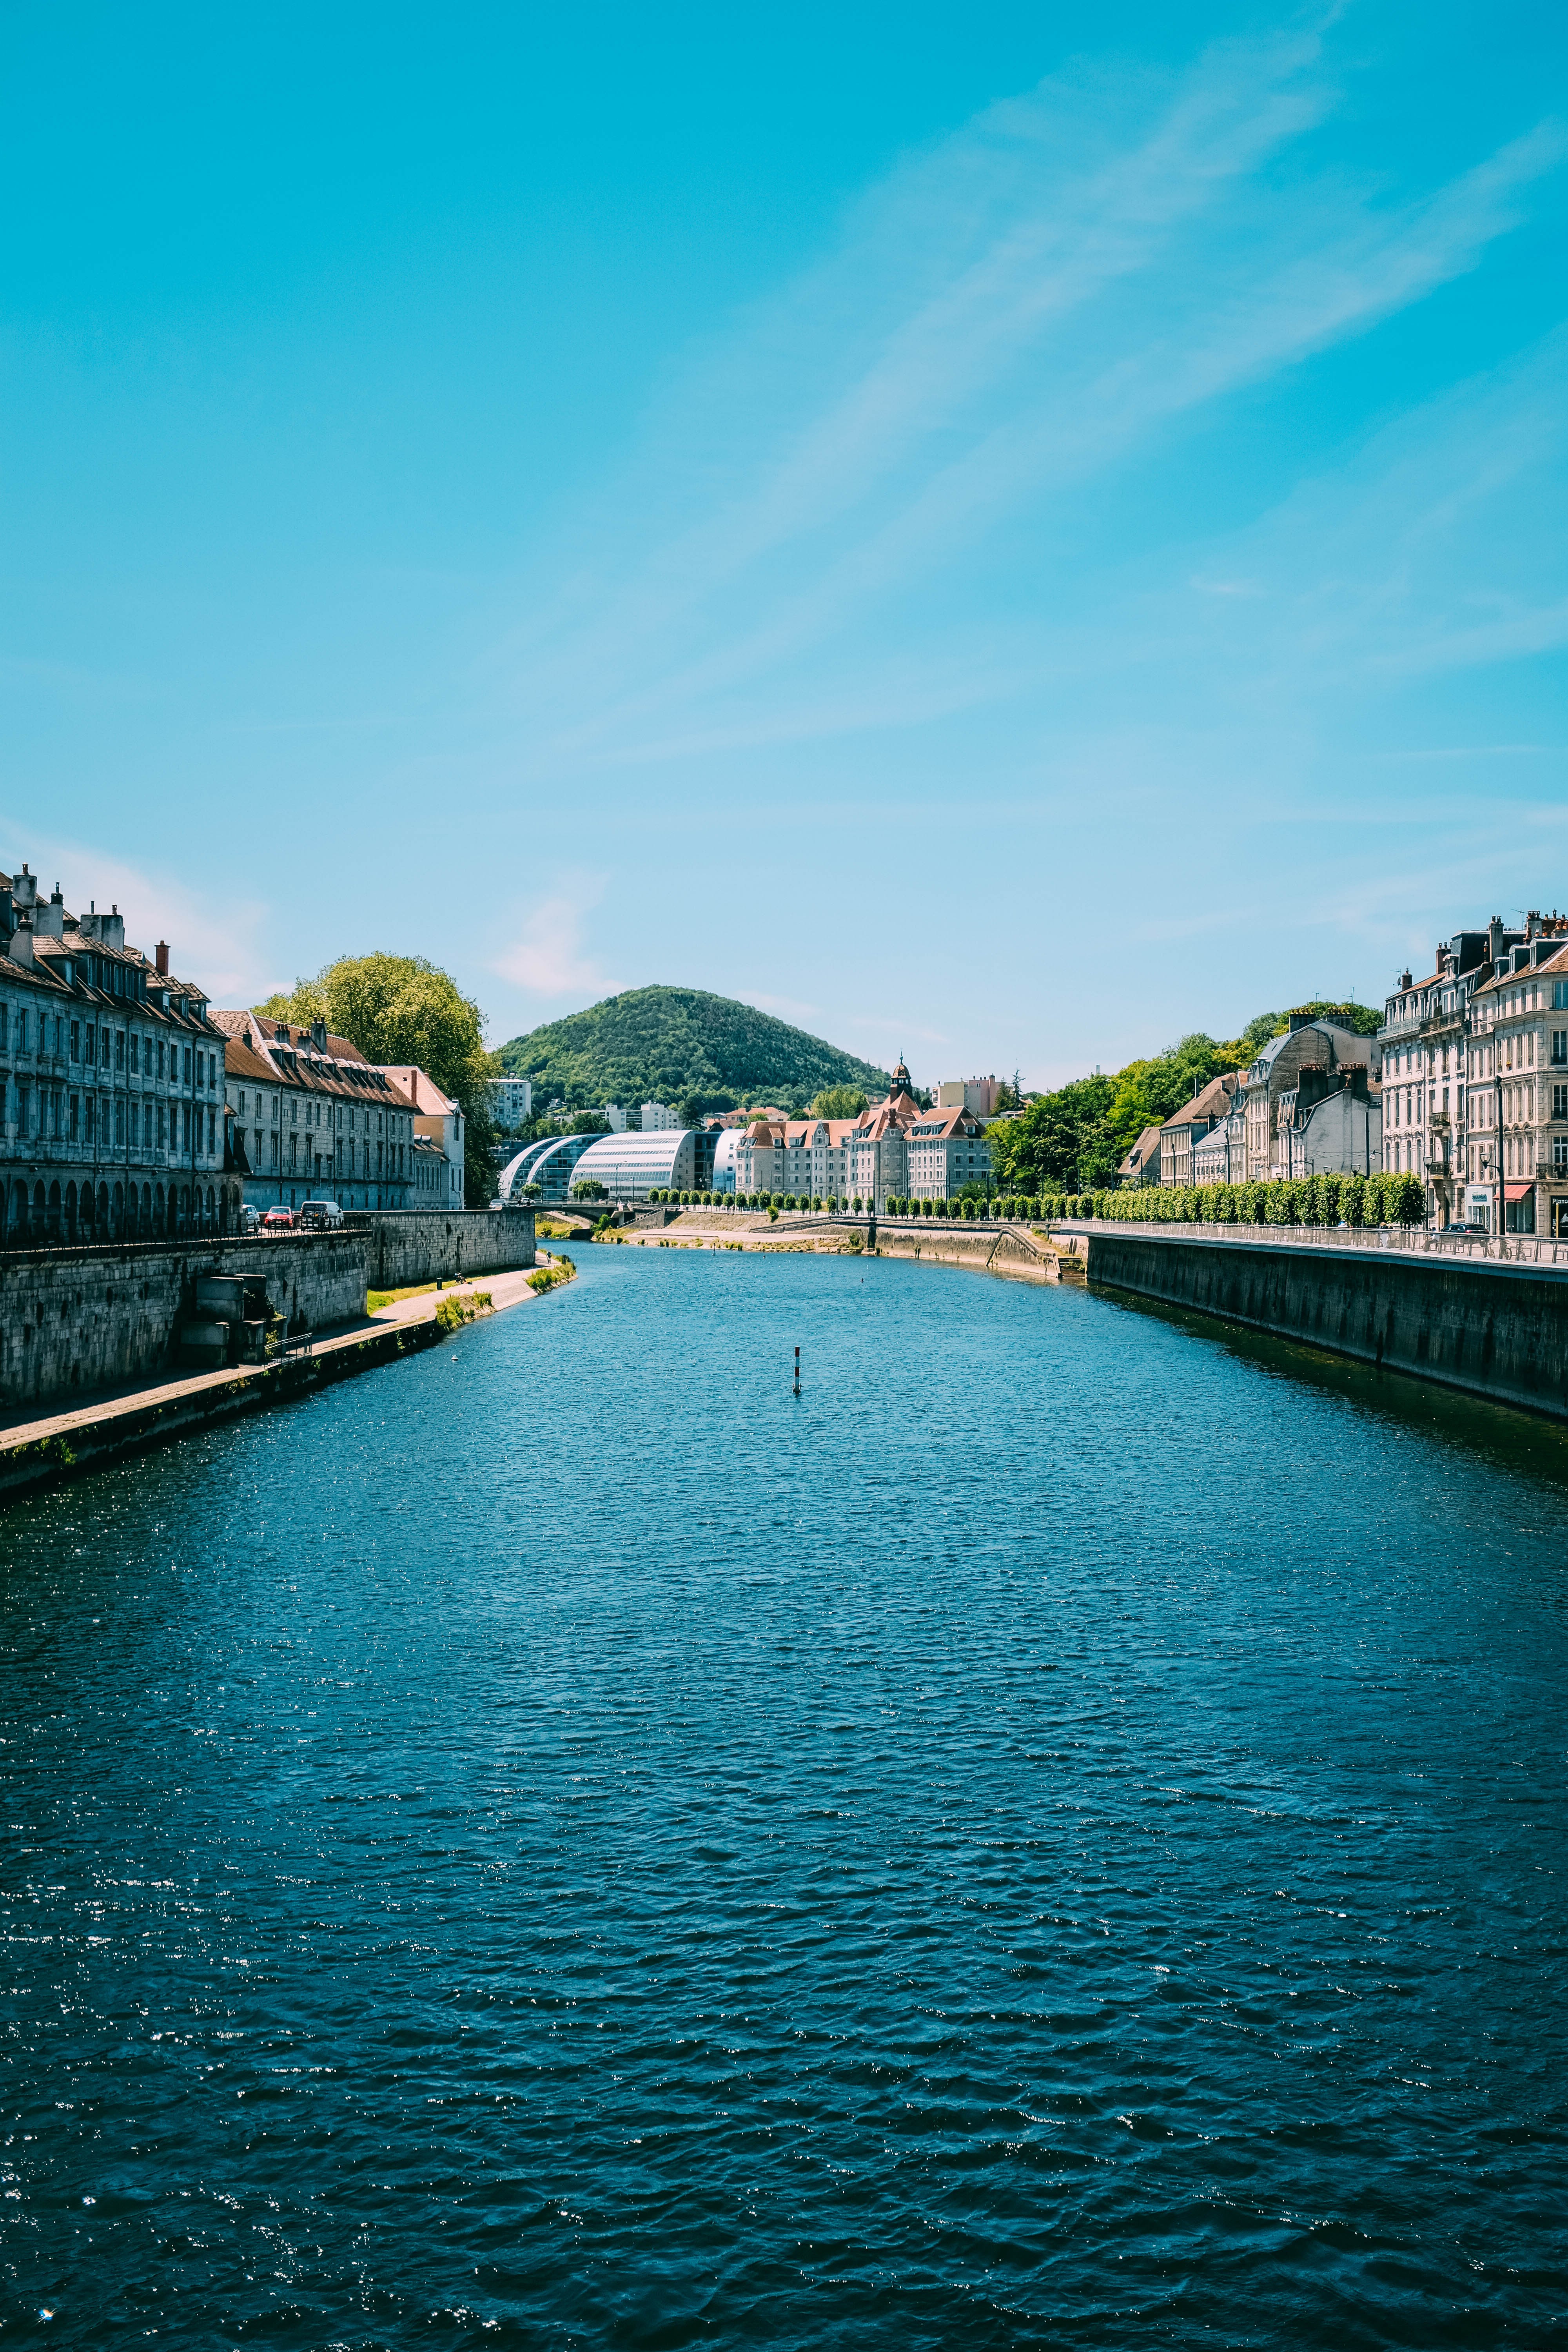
(438, 1121)
(894, 1151)
(1476, 1066)
(310, 1118)
(1310, 1103)
(805, 1157)
(110, 1082)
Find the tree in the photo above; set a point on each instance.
(838, 1102)
(403, 1008)
(589, 1188)
(1042, 1146)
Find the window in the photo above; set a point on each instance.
(1560, 1151)
(1559, 1047)
(21, 1029)
(1560, 1102)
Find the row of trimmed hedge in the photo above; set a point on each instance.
(1009, 1205)
(1288, 1201)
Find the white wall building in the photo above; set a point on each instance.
(656, 1117)
(512, 1101)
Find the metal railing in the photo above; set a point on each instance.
(1414, 1241)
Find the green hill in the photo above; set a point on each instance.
(668, 1044)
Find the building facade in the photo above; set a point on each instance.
(110, 1083)
(438, 1119)
(894, 1151)
(976, 1095)
(310, 1119)
(511, 1104)
(634, 1163)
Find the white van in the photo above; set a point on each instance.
(320, 1213)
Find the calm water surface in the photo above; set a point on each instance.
(1055, 1836)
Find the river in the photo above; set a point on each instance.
(1054, 1835)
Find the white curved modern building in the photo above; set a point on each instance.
(729, 1144)
(550, 1163)
(631, 1166)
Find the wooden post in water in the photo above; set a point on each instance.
(797, 1371)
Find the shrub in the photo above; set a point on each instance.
(772, 1214)
(1409, 1201)
(855, 1205)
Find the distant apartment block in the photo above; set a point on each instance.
(655, 1116)
(976, 1096)
(512, 1101)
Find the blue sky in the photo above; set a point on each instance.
(992, 548)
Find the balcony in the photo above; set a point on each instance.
(1438, 1122)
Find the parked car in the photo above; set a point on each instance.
(317, 1215)
(277, 1220)
(1469, 1231)
(250, 1218)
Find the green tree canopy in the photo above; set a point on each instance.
(839, 1102)
(1075, 1139)
(402, 1009)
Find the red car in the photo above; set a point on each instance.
(277, 1220)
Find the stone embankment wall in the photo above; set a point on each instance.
(1500, 1331)
(411, 1246)
(1010, 1251)
(77, 1320)
(72, 1320)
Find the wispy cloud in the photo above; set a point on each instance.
(548, 957)
(1040, 297)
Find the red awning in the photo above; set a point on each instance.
(1517, 1192)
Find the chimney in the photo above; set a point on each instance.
(112, 928)
(25, 891)
(163, 958)
(1404, 979)
(319, 1033)
(49, 922)
(22, 941)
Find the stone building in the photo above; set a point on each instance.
(1142, 1164)
(438, 1119)
(110, 1074)
(895, 1151)
(312, 1120)
(1471, 1103)
(1508, 1126)
(1282, 1088)
(1188, 1127)
(808, 1158)
(945, 1148)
